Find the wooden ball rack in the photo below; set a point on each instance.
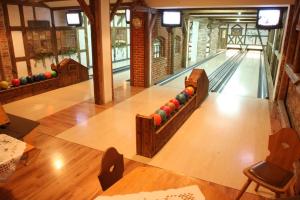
(68, 72)
(150, 139)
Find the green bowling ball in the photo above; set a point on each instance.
(42, 76)
(163, 114)
(53, 73)
(23, 80)
(181, 98)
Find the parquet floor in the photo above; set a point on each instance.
(66, 170)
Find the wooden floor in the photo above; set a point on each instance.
(66, 170)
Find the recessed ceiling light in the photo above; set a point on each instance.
(238, 20)
(240, 13)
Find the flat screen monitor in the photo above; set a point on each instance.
(74, 18)
(269, 18)
(171, 18)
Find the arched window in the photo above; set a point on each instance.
(177, 44)
(158, 47)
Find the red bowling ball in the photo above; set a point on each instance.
(48, 75)
(16, 82)
(176, 102)
(167, 109)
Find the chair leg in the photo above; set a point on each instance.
(243, 190)
(256, 188)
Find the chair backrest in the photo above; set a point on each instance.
(3, 116)
(112, 168)
(284, 147)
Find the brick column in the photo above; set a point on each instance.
(139, 48)
(5, 59)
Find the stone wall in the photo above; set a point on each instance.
(214, 37)
(5, 58)
(203, 38)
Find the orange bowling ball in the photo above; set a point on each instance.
(190, 90)
(157, 119)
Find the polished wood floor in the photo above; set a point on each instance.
(65, 170)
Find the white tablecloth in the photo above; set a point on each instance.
(185, 193)
(11, 151)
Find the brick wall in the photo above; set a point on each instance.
(293, 108)
(178, 55)
(138, 51)
(164, 66)
(5, 60)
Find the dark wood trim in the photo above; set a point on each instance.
(54, 40)
(25, 41)
(20, 59)
(10, 42)
(123, 5)
(87, 10)
(34, 12)
(115, 9)
(25, 3)
(67, 8)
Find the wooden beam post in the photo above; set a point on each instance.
(102, 64)
(87, 10)
(114, 9)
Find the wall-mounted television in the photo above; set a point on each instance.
(171, 18)
(74, 18)
(269, 18)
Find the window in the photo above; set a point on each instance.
(177, 44)
(158, 48)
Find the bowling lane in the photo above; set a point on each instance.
(208, 66)
(244, 81)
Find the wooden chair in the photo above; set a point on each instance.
(112, 168)
(276, 172)
(3, 117)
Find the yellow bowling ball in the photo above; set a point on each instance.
(4, 85)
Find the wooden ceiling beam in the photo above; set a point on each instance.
(114, 9)
(87, 10)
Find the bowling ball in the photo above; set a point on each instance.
(157, 119)
(53, 73)
(15, 82)
(171, 106)
(190, 90)
(23, 80)
(176, 103)
(48, 75)
(187, 96)
(42, 76)
(167, 109)
(4, 85)
(30, 79)
(36, 78)
(163, 114)
(181, 98)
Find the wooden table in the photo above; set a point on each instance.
(147, 179)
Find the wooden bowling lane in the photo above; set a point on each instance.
(244, 81)
(46, 104)
(208, 66)
(225, 131)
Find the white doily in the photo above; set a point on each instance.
(185, 193)
(11, 151)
